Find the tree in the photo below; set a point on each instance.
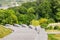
(8, 16)
(22, 19)
(58, 16)
(44, 9)
(11, 18)
(55, 5)
(50, 20)
(31, 10)
(25, 18)
(29, 4)
(2, 16)
(22, 10)
(39, 1)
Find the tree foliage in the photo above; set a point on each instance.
(49, 9)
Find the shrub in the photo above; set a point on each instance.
(31, 10)
(50, 28)
(35, 22)
(56, 27)
(42, 20)
(51, 20)
(44, 25)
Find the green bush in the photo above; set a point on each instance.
(51, 28)
(42, 20)
(34, 22)
(57, 28)
(50, 20)
(44, 25)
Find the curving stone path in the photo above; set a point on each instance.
(24, 33)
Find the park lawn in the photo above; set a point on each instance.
(53, 36)
(4, 31)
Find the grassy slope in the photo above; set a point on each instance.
(4, 31)
(54, 36)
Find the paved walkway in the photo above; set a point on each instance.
(21, 33)
(53, 32)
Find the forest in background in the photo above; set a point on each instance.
(40, 12)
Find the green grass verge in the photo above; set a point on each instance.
(4, 31)
(53, 36)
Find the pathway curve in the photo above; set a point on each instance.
(23, 33)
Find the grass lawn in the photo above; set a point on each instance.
(53, 36)
(4, 31)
